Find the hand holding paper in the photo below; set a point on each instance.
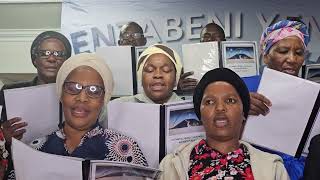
(259, 104)
(13, 128)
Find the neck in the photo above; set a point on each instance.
(223, 146)
(40, 81)
(73, 137)
(43, 80)
(162, 101)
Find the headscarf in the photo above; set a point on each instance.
(47, 35)
(281, 30)
(226, 75)
(86, 59)
(159, 49)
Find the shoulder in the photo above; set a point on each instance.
(315, 142)
(266, 164)
(174, 98)
(18, 85)
(40, 143)
(125, 99)
(182, 152)
(115, 136)
(256, 153)
(123, 148)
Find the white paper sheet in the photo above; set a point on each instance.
(119, 60)
(30, 164)
(315, 131)
(36, 105)
(292, 101)
(139, 121)
(200, 58)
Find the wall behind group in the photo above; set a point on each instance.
(20, 22)
(93, 23)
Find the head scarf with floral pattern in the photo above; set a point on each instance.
(281, 30)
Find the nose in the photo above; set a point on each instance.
(220, 106)
(51, 58)
(82, 96)
(292, 58)
(158, 73)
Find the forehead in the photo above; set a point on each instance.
(86, 75)
(159, 60)
(289, 42)
(53, 43)
(132, 28)
(220, 88)
(212, 29)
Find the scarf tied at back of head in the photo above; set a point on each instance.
(281, 30)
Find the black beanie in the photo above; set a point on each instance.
(226, 75)
(46, 35)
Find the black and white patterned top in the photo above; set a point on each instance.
(97, 144)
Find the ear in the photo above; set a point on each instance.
(35, 63)
(144, 41)
(266, 59)
(243, 118)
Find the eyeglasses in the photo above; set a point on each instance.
(127, 36)
(212, 36)
(46, 53)
(74, 88)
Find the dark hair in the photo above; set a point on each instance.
(131, 23)
(47, 35)
(216, 26)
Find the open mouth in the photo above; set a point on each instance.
(51, 69)
(221, 121)
(79, 111)
(289, 71)
(159, 86)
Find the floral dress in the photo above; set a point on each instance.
(97, 144)
(3, 156)
(208, 163)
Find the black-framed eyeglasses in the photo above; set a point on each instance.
(47, 53)
(74, 88)
(127, 36)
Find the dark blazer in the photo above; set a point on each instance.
(312, 166)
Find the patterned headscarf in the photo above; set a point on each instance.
(159, 49)
(281, 30)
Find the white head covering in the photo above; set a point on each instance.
(86, 59)
(159, 49)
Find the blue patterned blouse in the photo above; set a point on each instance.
(97, 144)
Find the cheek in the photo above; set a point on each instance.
(97, 104)
(66, 100)
(170, 79)
(145, 79)
(206, 113)
(237, 116)
(275, 61)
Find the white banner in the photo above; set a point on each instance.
(94, 23)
